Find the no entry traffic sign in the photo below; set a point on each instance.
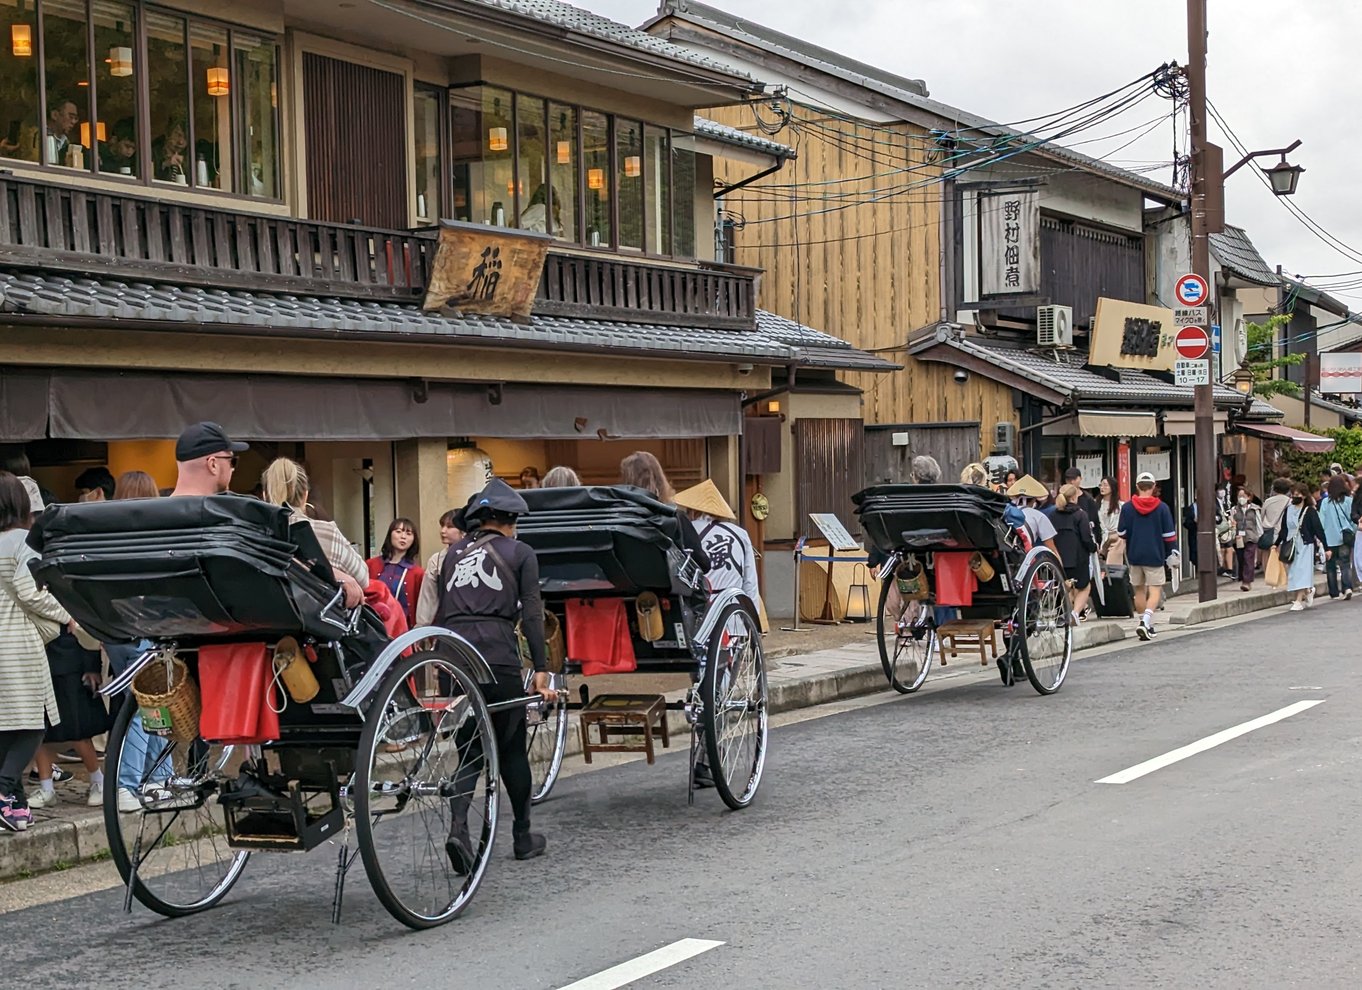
(1192, 343)
(1191, 290)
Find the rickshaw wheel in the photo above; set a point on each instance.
(179, 837)
(733, 693)
(906, 638)
(546, 741)
(1045, 623)
(427, 736)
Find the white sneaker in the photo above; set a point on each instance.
(42, 799)
(1297, 607)
(95, 799)
(1310, 598)
(127, 801)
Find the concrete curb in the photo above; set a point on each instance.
(1239, 603)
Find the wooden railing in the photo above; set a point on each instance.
(616, 288)
(130, 236)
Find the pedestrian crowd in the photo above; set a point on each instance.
(51, 670)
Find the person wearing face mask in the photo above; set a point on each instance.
(1301, 533)
(1248, 529)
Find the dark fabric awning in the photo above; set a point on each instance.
(1311, 443)
(107, 405)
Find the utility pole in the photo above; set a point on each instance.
(1207, 217)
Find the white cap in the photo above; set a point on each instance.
(35, 496)
(1143, 477)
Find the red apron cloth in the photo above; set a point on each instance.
(235, 682)
(955, 581)
(598, 636)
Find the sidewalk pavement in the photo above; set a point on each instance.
(804, 669)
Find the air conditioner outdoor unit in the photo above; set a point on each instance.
(1055, 326)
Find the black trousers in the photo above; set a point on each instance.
(509, 728)
(17, 749)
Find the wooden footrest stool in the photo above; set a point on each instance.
(625, 723)
(974, 636)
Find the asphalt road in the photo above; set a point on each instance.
(957, 838)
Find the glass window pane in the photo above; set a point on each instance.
(116, 88)
(629, 163)
(168, 82)
(480, 130)
(427, 154)
(531, 168)
(257, 93)
(564, 170)
(683, 194)
(67, 68)
(210, 87)
(658, 190)
(20, 136)
(596, 161)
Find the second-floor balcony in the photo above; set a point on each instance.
(116, 234)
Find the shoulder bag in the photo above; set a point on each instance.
(1345, 525)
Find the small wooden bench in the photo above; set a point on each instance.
(620, 720)
(975, 636)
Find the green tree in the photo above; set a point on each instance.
(1261, 359)
(1347, 451)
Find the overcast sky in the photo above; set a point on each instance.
(1275, 77)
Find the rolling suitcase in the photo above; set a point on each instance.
(1120, 600)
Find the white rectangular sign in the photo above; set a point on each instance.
(1009, 242)
(1091, 466)
(1191, 372)
(1340, 373)
(831, 527)
(1160, 465)
(1193, 317)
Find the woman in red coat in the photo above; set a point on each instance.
(397, 567)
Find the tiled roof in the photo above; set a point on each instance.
(715, 131)
(775, 342)
(1068, 375)
(1237, 255)
(575, 19)
(908, 91)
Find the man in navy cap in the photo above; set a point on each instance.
(206, 457)
(489, 582)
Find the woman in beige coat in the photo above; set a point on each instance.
(25, 681)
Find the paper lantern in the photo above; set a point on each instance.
(120, 61)
(595, 178)
(497, 139)
(217, 81)
(100, 133)
(564, 152)
(469, 470)
(21, 40)
(633, 166)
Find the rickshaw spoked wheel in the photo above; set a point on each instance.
(546, 739)
(734, 697)
(427, 759)
(906, 637)
(178, 837)
(1045, 623)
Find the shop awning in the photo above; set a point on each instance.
(1182, 423)
(1094, 423)
(1311, 443)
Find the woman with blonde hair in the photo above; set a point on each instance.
(1074, 542)
(135, 484)
(974, 474)
(561, 477)
(285, 483)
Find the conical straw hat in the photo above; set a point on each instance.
(705, 498)
(1027, 486)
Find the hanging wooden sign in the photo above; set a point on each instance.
(488, 270)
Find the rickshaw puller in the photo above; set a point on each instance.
(490, 581)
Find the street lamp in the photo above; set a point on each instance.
(1282, 176)
(1242, 379)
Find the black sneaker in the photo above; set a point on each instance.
(702, 777)
(59, 776)
(528, 845)
(459, 849)
(1145, 631)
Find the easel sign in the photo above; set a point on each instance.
(833, 531)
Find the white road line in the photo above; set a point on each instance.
(1210, 742)
(636, 969)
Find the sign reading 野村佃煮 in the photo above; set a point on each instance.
(1009, 242)
(1132, 335)
(488, 270)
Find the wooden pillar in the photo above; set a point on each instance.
(423, 485)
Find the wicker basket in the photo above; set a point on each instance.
(553, 642)
(169, 699)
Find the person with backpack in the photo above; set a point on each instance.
(1076, 544)
(1151, 538)
(1340, 534)
(732, 559)
(489, 583)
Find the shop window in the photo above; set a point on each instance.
(20, 135)
(167, 79)
(629, 181)
(564, 171)
(256, 90)
(531, 182)
(657, 189)
(66, 83)
(596, 161)
(115, 97)
(429, 135)
(210, 88)
(683, 195)
(483, 162)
